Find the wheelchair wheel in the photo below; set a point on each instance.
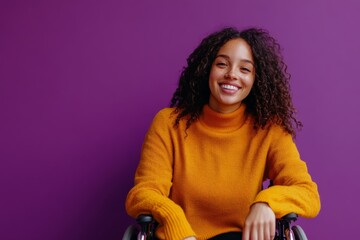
(299, 233)
(130, 233)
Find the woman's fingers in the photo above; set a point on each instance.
(260, 223)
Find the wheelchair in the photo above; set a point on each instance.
(285, 230)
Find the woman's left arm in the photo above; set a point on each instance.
(293, 189)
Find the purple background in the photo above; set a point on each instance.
(80, 82)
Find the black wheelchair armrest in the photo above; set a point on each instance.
(144, 218)
(290, 217)
(147, 225)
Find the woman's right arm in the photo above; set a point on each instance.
(153, 181)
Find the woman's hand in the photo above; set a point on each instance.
(190, 238)
(260, 223)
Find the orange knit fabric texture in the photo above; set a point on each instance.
(201, 182)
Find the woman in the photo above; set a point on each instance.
(230, 126)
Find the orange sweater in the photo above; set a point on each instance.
(202, 182)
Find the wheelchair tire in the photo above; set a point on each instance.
(299, 233)
(130, 233)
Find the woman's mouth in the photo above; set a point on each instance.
(229, 87)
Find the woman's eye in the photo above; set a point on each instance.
(221, 64)
(245, 69)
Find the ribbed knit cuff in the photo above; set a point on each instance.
(175, 224)
(274, 200)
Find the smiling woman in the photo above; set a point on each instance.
(232, 76)
(230, 126)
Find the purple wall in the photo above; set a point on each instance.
(81, 80)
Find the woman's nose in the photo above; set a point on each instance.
(231, 74)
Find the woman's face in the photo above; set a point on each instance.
(232, 76)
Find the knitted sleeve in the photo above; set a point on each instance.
(293, 190)
(153, 181)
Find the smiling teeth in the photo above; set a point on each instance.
(230, 87)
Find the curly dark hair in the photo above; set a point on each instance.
(269, 100)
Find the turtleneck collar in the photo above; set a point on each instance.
(223, 121)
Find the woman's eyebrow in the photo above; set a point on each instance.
(223, 55)
(228, 58)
